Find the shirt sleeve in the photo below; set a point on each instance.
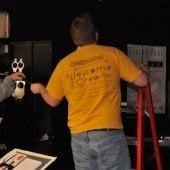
(54, 85)
(129, 71)
(6, 88)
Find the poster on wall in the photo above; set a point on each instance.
(154, 57)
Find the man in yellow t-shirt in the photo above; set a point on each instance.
(89, 78)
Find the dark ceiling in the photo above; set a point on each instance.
(46, 19)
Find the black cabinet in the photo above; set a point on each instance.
(27, 120)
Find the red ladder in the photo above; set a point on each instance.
(146, 93)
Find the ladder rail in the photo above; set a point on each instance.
(140, 132)
(153, 128)
(146, 93)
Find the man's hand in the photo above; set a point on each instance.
(144, 68)
(17, 76)
(36, 88)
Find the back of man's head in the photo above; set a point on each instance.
(83, 30)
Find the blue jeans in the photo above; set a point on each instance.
(100, 150)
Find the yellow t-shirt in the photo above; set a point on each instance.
(89, 78)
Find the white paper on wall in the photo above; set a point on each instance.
(155, 58)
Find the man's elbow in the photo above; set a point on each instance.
(54, 103)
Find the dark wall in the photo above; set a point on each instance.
(119, 22)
